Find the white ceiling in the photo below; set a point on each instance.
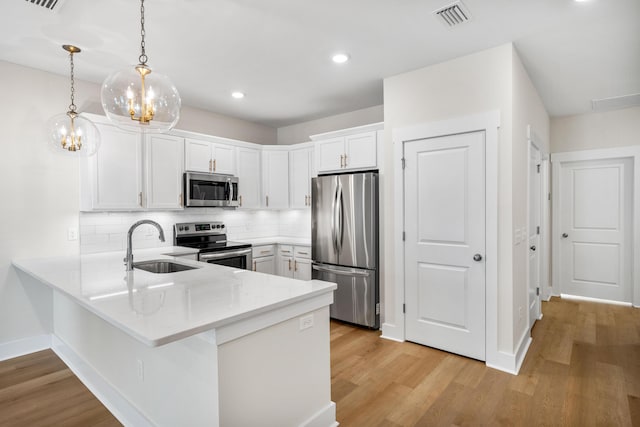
(278, 51)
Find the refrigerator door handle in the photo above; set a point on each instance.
(339, 214)
(334, 225)
(343, 272)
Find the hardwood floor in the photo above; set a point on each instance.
(39, 390)
(582, 369)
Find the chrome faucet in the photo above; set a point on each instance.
(128, 260)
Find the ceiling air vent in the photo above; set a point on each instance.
(453, 14)
(615, 103)
(47, 4)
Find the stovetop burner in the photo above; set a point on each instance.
(207, 237)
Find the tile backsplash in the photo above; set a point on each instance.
(107, 231)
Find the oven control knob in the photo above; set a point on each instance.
(181, 228)
(186, 228)
(222, 226)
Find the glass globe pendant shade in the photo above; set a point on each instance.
(71, 134)
(141, 100)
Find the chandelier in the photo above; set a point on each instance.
(69, 132)
(137, 98)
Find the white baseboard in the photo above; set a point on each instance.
(512, 362)
(588, 299)
(24, 346)
(326, 417)
(111, 398)
(392, 332)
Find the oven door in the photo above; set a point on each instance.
(204, 190)
(238, 258)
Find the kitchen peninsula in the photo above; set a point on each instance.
(211, 345)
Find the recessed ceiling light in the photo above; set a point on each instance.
(238, 95)
(340, 58)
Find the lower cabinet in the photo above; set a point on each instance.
(264, 259)
(294, 262)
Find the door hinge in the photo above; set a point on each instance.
(538, 168)
(403, 236)
(538, 230)
(537, 292)
(549, 196)
(403, 163)
(377, 308)
(404, 308)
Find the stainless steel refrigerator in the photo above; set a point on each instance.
(344, 243)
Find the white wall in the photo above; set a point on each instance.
(528, 109)
(40, 191)
(475, 83)
(618, 128)
(300, 132)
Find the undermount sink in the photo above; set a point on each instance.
(162, 266)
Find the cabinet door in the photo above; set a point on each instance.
(300, 178)
(198, 155)
(264, 265)
(116, 171)
(361, 151)
(330, 154)
(275, 172)
(285, 266)
(302, 269)
(224, 159)
(164, 166)
(249, 178)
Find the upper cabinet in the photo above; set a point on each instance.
(275, 177)
(132, 172)
(211, 157)
(347, 149)
(249, 177)
(163, 166)
(300, 173)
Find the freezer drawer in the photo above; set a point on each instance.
(356, 298)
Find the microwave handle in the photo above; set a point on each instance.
(230, 184)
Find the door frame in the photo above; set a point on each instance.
(489, 122)
(557, 159)
(534, 140)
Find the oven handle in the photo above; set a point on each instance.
(224, 254)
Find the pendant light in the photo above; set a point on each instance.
(137, 98)
(69, 132)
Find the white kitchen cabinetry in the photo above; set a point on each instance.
(249, 177)
(300, 173)
(347, 149)
(132, 171)
(207, 156)
(275, 178)
(294, 262)
(164, 168)
(264, 259)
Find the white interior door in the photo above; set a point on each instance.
(595, 227)
(445, 243)
(535, 246)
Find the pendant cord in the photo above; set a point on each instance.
(72, 106)
(143, 56)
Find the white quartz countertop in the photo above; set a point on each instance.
(161, 308)
(282, 240)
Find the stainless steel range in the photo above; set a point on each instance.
(211, 240)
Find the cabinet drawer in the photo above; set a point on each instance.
(285, 250)
(302, 252)
(261, 251)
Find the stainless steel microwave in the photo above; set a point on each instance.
(210, 190)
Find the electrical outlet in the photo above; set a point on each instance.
(306, 322)
(72, 233)
(140, 369)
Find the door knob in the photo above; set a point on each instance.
(477, 257)
(533, 248)
(565, 235)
